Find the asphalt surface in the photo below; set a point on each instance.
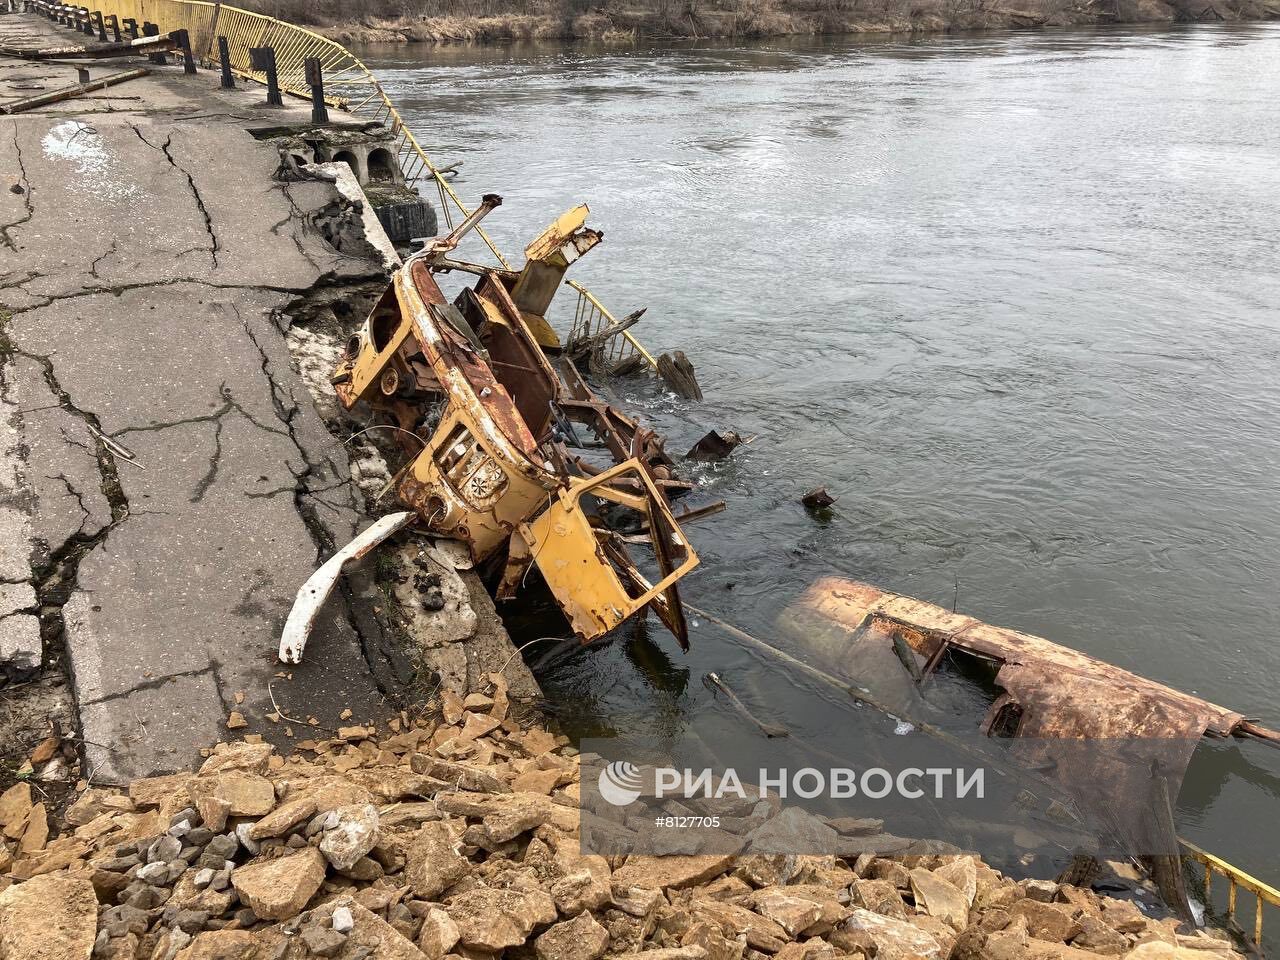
(158, 447)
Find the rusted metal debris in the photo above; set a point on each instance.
(1114, 740)
(488, 427)
(1049, 691)
(817, 499)
(714, 446)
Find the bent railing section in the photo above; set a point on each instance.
(590, 317)
(1237, 880)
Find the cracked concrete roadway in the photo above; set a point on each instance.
(146, 260)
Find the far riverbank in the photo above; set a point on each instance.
(497, 21)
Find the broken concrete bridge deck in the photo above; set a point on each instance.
(167, 481)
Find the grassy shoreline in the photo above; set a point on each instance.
(498, 21)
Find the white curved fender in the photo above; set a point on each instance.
(313, 594)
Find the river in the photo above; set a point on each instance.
(1014, 299)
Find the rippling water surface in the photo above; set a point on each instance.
(1014, 299)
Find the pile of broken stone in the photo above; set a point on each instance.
(457, 839)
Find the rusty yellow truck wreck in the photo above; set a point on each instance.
(479, 413)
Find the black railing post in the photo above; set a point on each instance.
(183, 40)
(264, 59)
(131, 25)
(224, 61)
(82, 75)
(114, 20)
(87, 26)
(315, 79)
(102, 26)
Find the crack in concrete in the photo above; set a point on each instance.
(118, 290)
(229, 403)
(56, 578)
(93, 267)
(294, 211)
(25, 183)
(77, 495)
(154, 684)
(214, 244)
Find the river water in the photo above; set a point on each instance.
(1015, 299)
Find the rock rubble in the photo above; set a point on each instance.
(459, 840)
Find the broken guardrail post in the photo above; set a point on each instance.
(131, 25)
(182, 38)
(102, 26)
(264, 59)
(82, 74)
(114, 20)
(224, 61)
(86, 25)
(315, 80)
(150, 29)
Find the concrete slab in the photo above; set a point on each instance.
(139, 726)
(145, 267)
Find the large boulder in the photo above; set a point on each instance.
(432, 861)
(438, 934)
(50, 917)
(1054, 922)
(661, 873)
(246, 794)
(793, 831)
(278, 889)
(490, 920)
(283, 819)
(892, 939)
(354, 835)
(222, 945)
(791, 913)
(939, 898)
(581, 890)
(581, 938)
(736, 920)
(369, 937)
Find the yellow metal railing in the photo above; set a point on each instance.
(1236, 880)
(590, 317)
